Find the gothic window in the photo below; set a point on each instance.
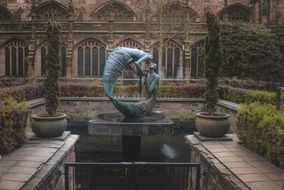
(51, 10)
(155, 55)
(91, 58)
(171, 59)
(264, 7)
(237, 12)
(4, 13)
(131, 44)
(15, 58)
(44, 59)
(178, 12)
(63, 61)
(114, 11)
(197, 60)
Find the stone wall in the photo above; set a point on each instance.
(213, 174)
(38, 163)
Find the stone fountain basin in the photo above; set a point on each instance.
(115, 124)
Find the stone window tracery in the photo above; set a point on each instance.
(114, 11)
(91, 58)
(4, 13)
(197, 60)
(264, 7)
(44, 58)
(171, 59)
(15, 58)
(51, 10)
(178, 11)
(238, 13)
(131, 44)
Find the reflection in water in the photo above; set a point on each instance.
(169, 151)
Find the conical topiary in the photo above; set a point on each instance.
(53, 68)
(213, 61)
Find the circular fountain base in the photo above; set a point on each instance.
(115, 124)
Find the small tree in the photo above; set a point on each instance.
(213, 60)
(53, 68)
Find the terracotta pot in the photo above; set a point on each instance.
(46, 126)
(216, 125)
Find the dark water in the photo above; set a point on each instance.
(124, 148)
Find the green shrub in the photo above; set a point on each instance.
(22, 93)
(239, 95)
(13, 118)
(182, 119)
(261, 129)
(251, 51)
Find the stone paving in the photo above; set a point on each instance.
(253, 170)
(21, 168)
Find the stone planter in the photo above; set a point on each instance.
(46, 126)
(216, 125)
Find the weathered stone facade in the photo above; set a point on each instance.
(91, 29)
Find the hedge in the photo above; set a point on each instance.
(22, 93)
(251, 51)
(95, 90)
(29, 92)
(13, 117)
(239, 95)
(261, 129)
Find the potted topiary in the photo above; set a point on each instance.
(211, 123)
(52, 124)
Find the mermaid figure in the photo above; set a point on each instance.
(122, 58)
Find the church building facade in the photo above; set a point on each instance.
(173, 31)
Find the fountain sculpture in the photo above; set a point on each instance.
(134, 118)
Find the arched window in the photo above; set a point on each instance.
(15, 58)
(5, 14)
(91, 58)
(51, 10)
(177, 12)
(115, 11)
(63, 61)
(265, 7)
(236, 12)
(131, 44)
(197, 60)
(44, 59)
(171, 59)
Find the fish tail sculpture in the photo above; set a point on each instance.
(113, 68)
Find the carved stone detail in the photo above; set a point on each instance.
(178, 11)
(130, 43)
(51, 11)
(4, 13)
(115, 12)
